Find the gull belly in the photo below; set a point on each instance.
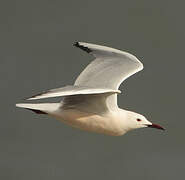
(108, 123)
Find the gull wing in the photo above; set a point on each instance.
(71, 90)
(102, 76)
(110, 67)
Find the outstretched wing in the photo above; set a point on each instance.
(102, 76)
(71, 90)
(110, 67)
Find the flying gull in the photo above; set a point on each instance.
(91, 103)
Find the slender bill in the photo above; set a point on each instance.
(156, 126)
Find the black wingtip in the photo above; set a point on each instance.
(76, 44)
(86, 49)
(36, 111)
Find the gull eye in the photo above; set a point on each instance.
(138, 120)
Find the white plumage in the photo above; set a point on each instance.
(91, 103)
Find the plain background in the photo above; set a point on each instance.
(36, 54)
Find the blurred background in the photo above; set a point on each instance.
(36, 54)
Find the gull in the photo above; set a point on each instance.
(91, 103)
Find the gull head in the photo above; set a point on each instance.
(135, 121)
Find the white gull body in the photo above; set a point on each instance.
(91, 103)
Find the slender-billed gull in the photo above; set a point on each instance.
(91, 103)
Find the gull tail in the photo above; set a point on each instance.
(41, 108)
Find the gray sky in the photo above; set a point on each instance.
(36, 40)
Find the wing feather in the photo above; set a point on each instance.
(102, 76)
(110, 67)
(71, 90)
